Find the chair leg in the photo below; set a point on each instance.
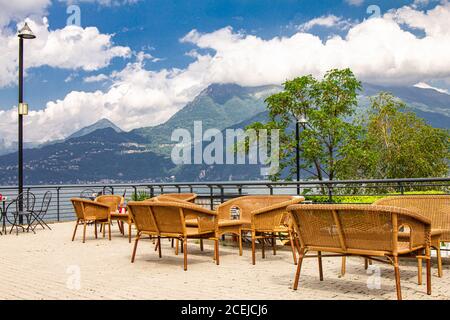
(291, 240)
(397, 278)
(419, 271)
(103, 229)
(109, 230)
(240, 242)
(135, 247)
(75, 230)
(172, 245)
(366, 263)
(95, 226)
(253, 249)
(274, 242)
(185, 253)
(263, 247)
(159, 247)
(176, 246)
(14, 224)
(319, 258)
(299, 268)
(201, 244)
(129, 232)
(428, 263)
(84, 232)
(216, 250)
(343, 266)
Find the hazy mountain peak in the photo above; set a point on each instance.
(100, 124)
(222, 92)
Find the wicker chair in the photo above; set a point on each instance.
(362, 230)
(114, 201)
(235, 215)
(434, 207)
(90, 211)
(168, 220)
(269, 223)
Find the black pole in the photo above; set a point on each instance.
(297, 158)
(20, 151)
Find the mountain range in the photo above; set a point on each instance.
(102, 152)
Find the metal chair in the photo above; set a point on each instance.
(40, 214)
(90, 194)
(28, 200)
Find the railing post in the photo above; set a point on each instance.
(57, 203)
(240, 190)
(135, 192)
(402, 189)
(211, 197)
(179, 189)
(152, 192)
(330, 193)
(270, 189)
(222, 196)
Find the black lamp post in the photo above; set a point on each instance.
(301, 120)
(24, 33)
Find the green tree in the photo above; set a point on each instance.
(398, 144)
(329, 134)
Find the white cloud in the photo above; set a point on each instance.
(97, 78)
(424, 85)
(355, 2)
(379, 50)
(71, 48)
(325, 21)
(15, 10)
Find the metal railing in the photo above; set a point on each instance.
(213, 193)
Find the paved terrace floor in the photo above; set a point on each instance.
(46, 265)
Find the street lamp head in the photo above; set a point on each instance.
(26, 33)
(302, 119)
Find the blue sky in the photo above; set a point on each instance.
(152, 31)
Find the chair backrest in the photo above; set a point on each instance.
(142, 216)
(46, 201)
(28, 200)
(190, 197)
(365, 229)
(169, 218)
(246, 204)
(78, 207)
(434, 207)
(113, 201)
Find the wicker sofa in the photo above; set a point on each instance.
(370, 231)
(164, 219)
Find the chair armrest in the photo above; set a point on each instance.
(207, 219)
(276, 206)
(271, 217)
(96, 210)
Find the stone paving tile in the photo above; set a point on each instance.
(48, 265)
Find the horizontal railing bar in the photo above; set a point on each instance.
(235, 183)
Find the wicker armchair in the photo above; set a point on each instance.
(362, 230)
(235, 215)
(114, 201)
(168, 220)
(269, 223)
(434, 207)
(189, 197)
(90, 211)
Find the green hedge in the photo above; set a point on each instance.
(363, 199)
